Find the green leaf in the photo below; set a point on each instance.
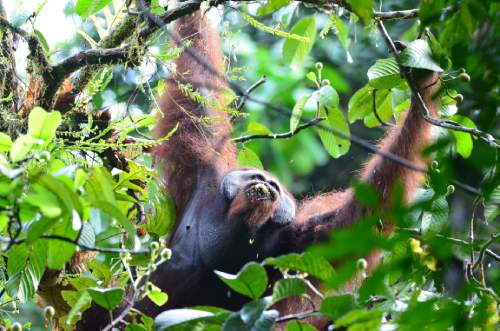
(383, 103)
(257, 128)
(366, 194)
(295, 52)
(163, 213)
(370, 320)
(491, 206)
(463, 140)
(251, 281)
(189, 319)
(362, 8)
(335, 306)
(100, 185)
(108, 298)
(334, 144)
(327, 97)
(45, 200)
(299, 326)
(297, 113)
(312, 264)
(252, 311)
(59, 252)
(21, 147)
(436, 218)
(5, 142)
(43, 125)
(272, 6)
(157, 296)
(42, 40)
(287, 287)
(79, 301)
(248, 158)
(85, 8)
(384, 74)
(360, 104)
(26, 265)
(418, 55)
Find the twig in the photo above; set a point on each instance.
(374, 106)
(252, 88)
(298, 316)
(447, 124)
(483, 250)
(72, 241)
(284, 135)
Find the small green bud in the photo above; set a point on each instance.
(155, 246)
(464, 77)
(459, 98)
(49, 312)
(325, 82)
(434, 165)
(361, 264)
(17, 327)
(319, 65)
(166, 254)
(450, 189)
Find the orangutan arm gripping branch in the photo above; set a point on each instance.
(319, 215)
(192, 101)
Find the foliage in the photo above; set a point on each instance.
(79, 201)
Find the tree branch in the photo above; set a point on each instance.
(492, 141)
(8, 79)
(13, 241)
(396, 15)
(284, 135)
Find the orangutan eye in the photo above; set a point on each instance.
(273, 184)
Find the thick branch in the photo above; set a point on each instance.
(83, 59)
(8, 80)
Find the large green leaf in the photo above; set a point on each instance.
(336, 306)
(297, 112)
(334, 144)
(271, 6)
(362, 8)
(418, 55)
(312, 264)
(26, 265)
(360, 104)
(294, 51)
(383, 103)
(43, 125)
(463, 140)
(251, 281)
(288, 287)
(85, 8)
(45, 200)
(108, 298)
(384, 74)
(22, 146)
(59, 252)
(248, 158)
(5, 142)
